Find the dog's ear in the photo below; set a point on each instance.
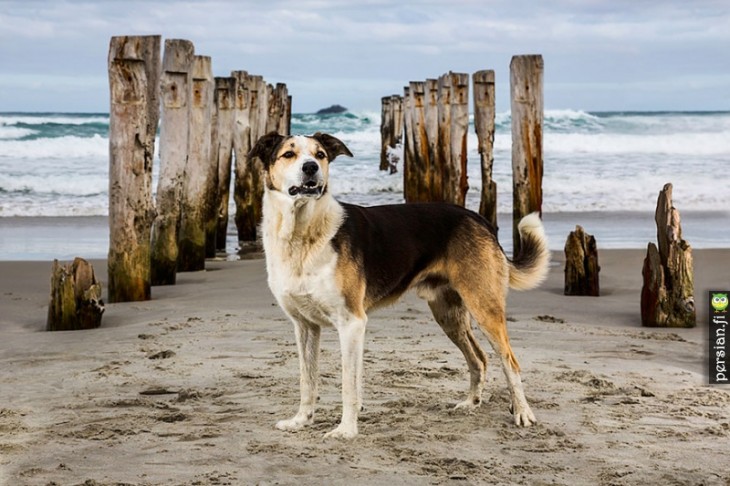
(266, 147)
(332, 145)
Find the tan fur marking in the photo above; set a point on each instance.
(350, 281)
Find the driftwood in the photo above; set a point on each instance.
(222, 150)
(134, 72)
(484, 125)
(76, 301)
(175, 91)
(667, 295)
(526, 93)
(199, 171)
(581, 264)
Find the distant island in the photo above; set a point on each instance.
(332, 110)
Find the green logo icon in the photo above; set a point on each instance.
(719, 302)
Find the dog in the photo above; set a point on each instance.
(330, 263)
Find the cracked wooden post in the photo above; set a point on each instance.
(225, 94)
(249, 186)
(175, 91)
(387, 122)
(484, 125)
(667, 294)
(199, 173)
(76, 301)
(410, 174)
(457, 185)
(420, 165)
(134, 75)
(283, 112)
(431, 114)
(526, 93)
(581, 264)
(241, 145)
(442, 163)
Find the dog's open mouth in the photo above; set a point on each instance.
(309, 188)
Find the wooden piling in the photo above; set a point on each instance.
(667, 294)
(410, 172)
(442, 164)
(421, 164)
(581, 264)
(175, 92)
(249, 186)
(241, 145)
(484, 125)
(225, 95)
(431, 116)
(391, 130)
(134, 75)
(526, 93)
(199, 171)
(386, 130)
(76, 301)
(456, 185)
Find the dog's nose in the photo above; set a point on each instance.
(310, 168)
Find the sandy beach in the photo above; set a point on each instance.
(185, 389)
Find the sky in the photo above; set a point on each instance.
(599, 55)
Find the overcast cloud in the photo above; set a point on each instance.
(599, 54)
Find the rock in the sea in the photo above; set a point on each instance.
(332, 110)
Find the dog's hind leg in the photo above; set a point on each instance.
(307, 336)
(490, 314)
(451, 314)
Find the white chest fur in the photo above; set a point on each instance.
(300, 261)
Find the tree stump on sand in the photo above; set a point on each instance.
(75, 297)
(581, 264)
(667, 296)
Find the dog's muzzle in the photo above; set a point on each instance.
(312, 183)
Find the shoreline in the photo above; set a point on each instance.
(186, 388)
(65, 237)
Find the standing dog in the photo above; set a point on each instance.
(330, 263)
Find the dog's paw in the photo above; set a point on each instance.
(469, 404)
(342, 432)
(523, 415)
(295, 423)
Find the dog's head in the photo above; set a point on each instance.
(298, 165)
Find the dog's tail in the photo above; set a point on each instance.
(529, 267)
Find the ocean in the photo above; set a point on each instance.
(602, 170)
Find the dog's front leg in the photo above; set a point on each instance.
(352, 339)
(307, 336)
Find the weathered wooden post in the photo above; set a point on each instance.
(458, 185)
(386, 129)
(391, 129)
(421, 165)
(410, 172)
(667, 295)
(76, 301)
(175, 91)
(484, 115)
(581, 264)
(431, 116)
(134, 75)
(526, 93)
(442, 163)
(249, 183)
(284, 110)
(225, 95)
(241, 146)
(199, 171)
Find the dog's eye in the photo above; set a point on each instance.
(288, 155)
(320, 155)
